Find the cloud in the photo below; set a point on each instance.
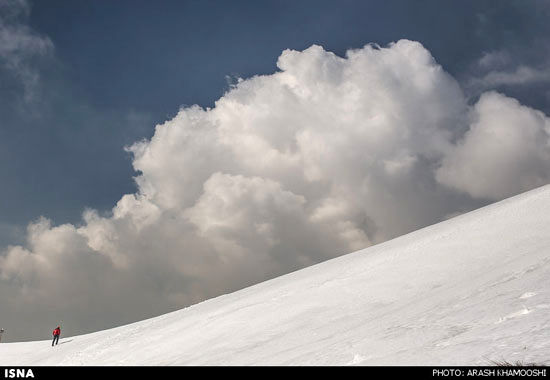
(522, 75)
(506, 150)
(521, 67)
(494, 59)
(20, 46)
(325, 156)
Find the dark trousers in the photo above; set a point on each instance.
(55, 339)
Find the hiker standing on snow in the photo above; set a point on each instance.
(56, 333)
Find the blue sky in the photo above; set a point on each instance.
(82, 80)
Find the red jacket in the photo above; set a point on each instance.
(57, 331)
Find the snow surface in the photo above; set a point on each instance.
(465, 291)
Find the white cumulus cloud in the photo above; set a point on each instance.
(506, 150)
(325, 156)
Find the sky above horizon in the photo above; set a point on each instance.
(156, 154)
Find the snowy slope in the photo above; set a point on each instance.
(465, 291)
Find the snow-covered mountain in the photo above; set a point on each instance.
(465, 291)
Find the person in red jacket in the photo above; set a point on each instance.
(56, 333)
